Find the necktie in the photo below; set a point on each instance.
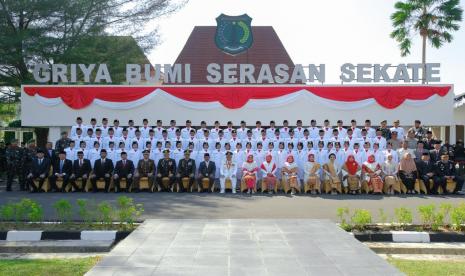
(40, 162)
(61, 166)
(80, 162)
(124, 162)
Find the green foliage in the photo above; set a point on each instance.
(361, 218)
(427, 214)
(25, 210)
(85, 211)
(457, 217)
(128, 212)
(7, 212)
(404, 216)
(342, 214)
(105, 213)
(64, 210)
(382, 216)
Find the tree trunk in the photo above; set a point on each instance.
(423, 60)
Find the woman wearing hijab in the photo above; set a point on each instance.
(351, 172)
(290, 174)
(390, 170)
(372, 172)
(249, 173)
(331, 173)
(312, 175)
(268, 169)
(408, 172)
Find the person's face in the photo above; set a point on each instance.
(437, 146)
(268, 158)
(125, 133)
(173, 124)
(394, 136)
(187, 155)
(383, 124)
(48, 145)
(111, 132)
(71, 145)
(367, 124)
(40, 155)
(332, 158)
(339, 124)
(103, 154)
(425, 157)
(206, 158)
(364, 133)
(159, 124)
(121, 146)
(299, 124)
(188, 125)
(311, 157)
(250, 158)
(64, 135)
(124, 156)
(375, 146)
(145, 123)
(389, 157)
(80, 156)
(272, 124)
(326, 123)
(417, 125)
(146, 155)
(62, 156)
(445, 158)
(131, 124)
(313, 123)
(351, 158)
(166, 155)
(281, 146)
(420, 145)
(371, 158)
(98, 133)
(229, 157)
(135, 146)
(104, 122)
(378, 133)
(429, 135)
(116, 124)
(96, 145)
(93, 122)
(285, 124)
(396, 124)
(353, 123)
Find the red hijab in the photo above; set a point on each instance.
(351, 164)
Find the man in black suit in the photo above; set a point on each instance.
(124, 168)
(40, 169)
(436, 152)
(207, 169)
(426, 169)
(186, 168)
(103, 168)
(81, 169)
(62, 168)
(166, 168)
(429, 140)
(50, 153)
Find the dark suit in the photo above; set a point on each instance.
(435, 156)
(143, 170)
(423, 169)
(65, 169)
(444, 169)
(186, 168)
(51, 154)
(79, 171)
(100, 170)
(165, 168)
(37, 169)
(207, 171)
(123, 171)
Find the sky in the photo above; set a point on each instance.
(313, 32)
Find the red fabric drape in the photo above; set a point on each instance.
(232, 97)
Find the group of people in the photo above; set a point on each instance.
(333, 159)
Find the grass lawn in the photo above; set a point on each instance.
(62, 267)
(429, 268)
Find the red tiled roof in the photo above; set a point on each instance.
(200, 50)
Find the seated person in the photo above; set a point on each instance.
(390, 171)
(81, 169)
(372, 172)
(228, 170)
(145, 168)
(186, 168)
(249, 173)
(61, 169)
(312, 172)
(268, 169)
(426, 169)
(445, 170)
(166, 168)
(331, 172)
(289, 172)
(39, 169)
(103, 167)
(351, 174)
(207, 169)
(408, 172)
(124, 168)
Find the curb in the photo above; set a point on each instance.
(409, 236)
(97, 235)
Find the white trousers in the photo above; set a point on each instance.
(223, 181)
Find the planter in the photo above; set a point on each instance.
(409, 236)
(64, 235)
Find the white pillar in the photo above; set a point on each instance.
(442, 134)
(54, 133)
(452, 134)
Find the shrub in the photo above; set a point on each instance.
(7, 212)
(128, 212)
(105, 213)
(361, 218)
(427, 214)
(404, 216)
(26, 209)
(85, 211)
(457, 217)
(63, 209)
(342, 213)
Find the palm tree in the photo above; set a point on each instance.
(434, 20)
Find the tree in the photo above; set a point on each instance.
(434, 20)
(47, 31)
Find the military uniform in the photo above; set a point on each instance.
(186, 168)
(62, 144)
(165, 168)
(2, 160)
(444, 169)
(28, 156)
(14, 166)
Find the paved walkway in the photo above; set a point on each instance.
(241, 247)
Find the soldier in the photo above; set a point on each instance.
(145, 168)
(14, 157)
(166, 168)
(63, 142)
(445, 169)
(2, 159)
(29, 154)
(186, 168)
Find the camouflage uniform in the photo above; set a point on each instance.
(2, 159)
(62, 144)
(28, 155)
(14, 163)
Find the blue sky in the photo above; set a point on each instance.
(330, 32)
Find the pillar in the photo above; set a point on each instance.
(54, 133)
(442, 135)
(452, 134)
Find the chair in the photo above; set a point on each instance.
(206, 183)
(264, 188)
(144, 184)
(123, 184)
(420, 187)
(59, 184)
(365, 187)
(165, 182)
(391, 181)
(312, 183)
(451, 185)
(45, 186)
(328, 188)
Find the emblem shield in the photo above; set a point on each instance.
(233, 33)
